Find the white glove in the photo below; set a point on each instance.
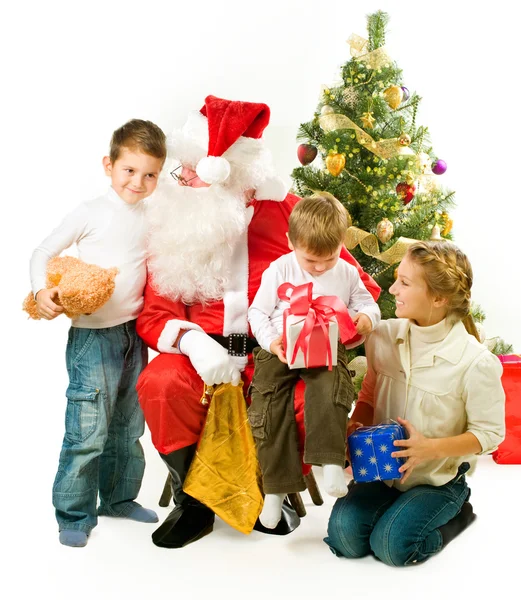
(211, 361)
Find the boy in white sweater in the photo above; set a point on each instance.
(317, 227)
(101, 452)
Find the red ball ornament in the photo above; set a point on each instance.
(406, 191)
(439, 167)
(306, 153)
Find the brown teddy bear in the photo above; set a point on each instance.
(82, 287)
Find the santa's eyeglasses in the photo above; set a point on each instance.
(176, 174)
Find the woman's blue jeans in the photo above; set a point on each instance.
(101, 451)
(399, 528)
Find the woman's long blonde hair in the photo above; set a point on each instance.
(447, 273)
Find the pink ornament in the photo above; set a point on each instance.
(439, 167)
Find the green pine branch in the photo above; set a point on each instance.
(376, 27)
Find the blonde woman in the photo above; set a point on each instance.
(427, 370)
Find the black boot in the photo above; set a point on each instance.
(457, 524)
(190, 520)
(289, 521)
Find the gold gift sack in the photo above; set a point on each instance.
(224, 474)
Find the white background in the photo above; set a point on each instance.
(73, 72)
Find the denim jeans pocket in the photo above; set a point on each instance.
(82, 414)
(81, 341)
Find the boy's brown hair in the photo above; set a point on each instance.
(318, 224)
(136, 134)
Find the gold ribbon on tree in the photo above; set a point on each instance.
(368, 243)
(388, 148)
(373, 60)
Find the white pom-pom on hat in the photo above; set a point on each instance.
(213, 169)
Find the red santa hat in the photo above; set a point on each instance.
(230, 132)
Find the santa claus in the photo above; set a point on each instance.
(214, 228)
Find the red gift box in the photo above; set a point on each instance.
(314, 337)
(509, 451)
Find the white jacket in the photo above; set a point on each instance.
(453, 388)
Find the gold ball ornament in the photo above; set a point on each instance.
(393, 95)
(335, 163)
(327, 110)
(368, 120)
(404, 139)
(384, 230)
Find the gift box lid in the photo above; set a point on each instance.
(383, 430)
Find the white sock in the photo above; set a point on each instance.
(272, 510)
(334, 480)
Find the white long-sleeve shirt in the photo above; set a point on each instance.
(108, 233)
(266, 311)
(443, 381)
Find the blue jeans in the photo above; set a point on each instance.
(399, 528)
(101, 451)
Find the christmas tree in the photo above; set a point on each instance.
(376, 160)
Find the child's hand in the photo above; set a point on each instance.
(352, 426)
(363, 324)
(277, 348)
(45, 305)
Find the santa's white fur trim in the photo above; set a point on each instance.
(213, 169)
(171, 330)
(235, 298)
(272, 188)
(190, 143)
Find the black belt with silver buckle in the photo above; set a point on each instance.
(237, 344)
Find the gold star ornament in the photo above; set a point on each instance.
(368, 120)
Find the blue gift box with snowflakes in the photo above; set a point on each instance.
(370, 449)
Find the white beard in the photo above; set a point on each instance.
(192, 234)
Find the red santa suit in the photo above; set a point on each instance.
(170, 390)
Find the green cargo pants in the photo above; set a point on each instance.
(327, 400)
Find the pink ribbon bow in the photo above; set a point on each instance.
(316, 311)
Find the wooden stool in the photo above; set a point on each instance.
(294, 499)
